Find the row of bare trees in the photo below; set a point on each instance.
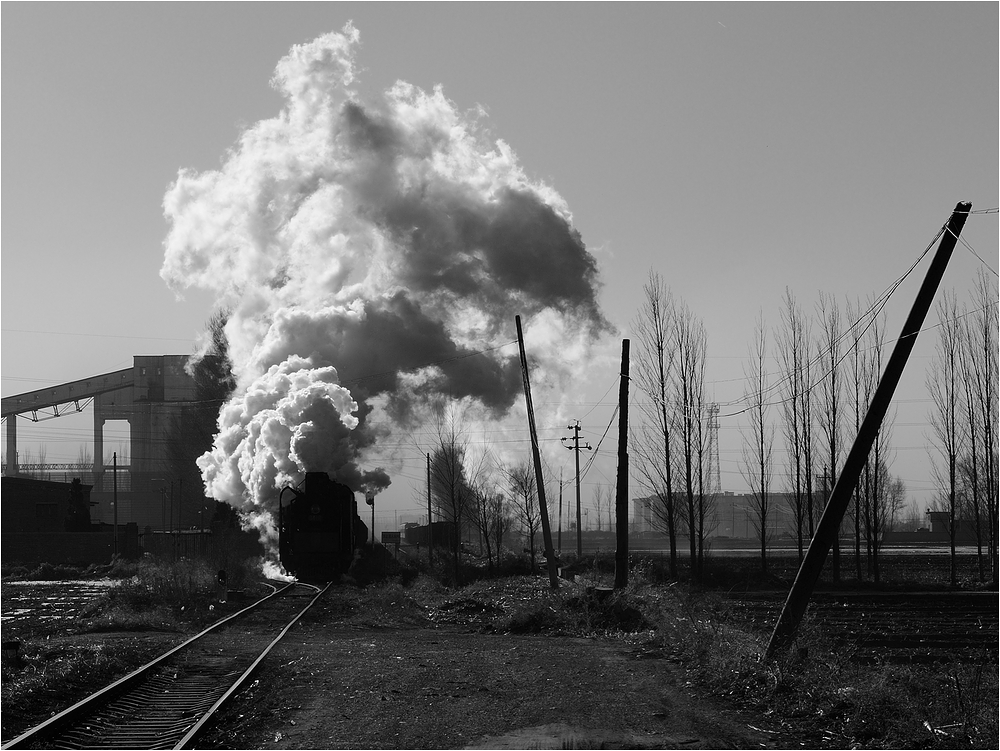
(822, 389)
(962, 382)
(671, 444)
(816, 386)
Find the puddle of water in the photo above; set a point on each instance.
(49, 600)
(71, 583)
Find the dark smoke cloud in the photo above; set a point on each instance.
(373, 255)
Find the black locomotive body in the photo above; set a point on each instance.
(319, 529)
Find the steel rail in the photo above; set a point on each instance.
(199, 726)
(132, 682)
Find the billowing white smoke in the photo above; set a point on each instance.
(367, 251)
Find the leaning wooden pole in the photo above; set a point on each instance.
(621, 492)
(550, 556)
(829, 524)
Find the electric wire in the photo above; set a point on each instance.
(867, 318)
(597, 449)
(973, 251)
(100, 336)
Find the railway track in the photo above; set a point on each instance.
(901, 627)
(167, 703)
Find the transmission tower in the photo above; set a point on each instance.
(714, 473)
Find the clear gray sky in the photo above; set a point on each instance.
(738, 149)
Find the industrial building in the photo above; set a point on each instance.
(151, 490)
(732, 515)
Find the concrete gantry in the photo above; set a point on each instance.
(55, 401)
(147, 396)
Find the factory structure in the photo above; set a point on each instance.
(151, 490)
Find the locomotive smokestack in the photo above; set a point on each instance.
(372, 254)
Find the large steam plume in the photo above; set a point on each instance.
(367, 250)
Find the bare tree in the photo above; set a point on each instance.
(830, 400)
(599, 505)
(521, 478)
(706, 495)
(858, 403)
(483, 491)
(689, 388)
(944, 388)
(450, 490)
(969, 485)
(875, 475)
(43, 451)
(980, 377)
(757, 452)
(908, 518)
(25, 460)
(807, 431)
(796, 392)
(603, 504)
(84, 456)
(887, 505)
(654, 441)
(502, 521)
(609, 507)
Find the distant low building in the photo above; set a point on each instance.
(45, 521)
(731, 515)
(965, 529)
(40, 506)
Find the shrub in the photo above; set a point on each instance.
(536, 618)
(154, 595)
(903, 706)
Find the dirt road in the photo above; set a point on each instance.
(330, 686)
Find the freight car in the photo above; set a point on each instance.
(319, 530)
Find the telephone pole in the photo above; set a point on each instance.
(559, 543)
(430, 526)
(828, 530)
(621, 488)
(575, 448)
(550, 555)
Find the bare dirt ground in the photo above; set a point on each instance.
(424, 666)
(334, 684)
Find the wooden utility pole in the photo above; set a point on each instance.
(550, 556)
(621, 494)
(430, 526)
(829, 524)
(575, 448)
(559, 525)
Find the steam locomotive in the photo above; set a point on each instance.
(319, 530)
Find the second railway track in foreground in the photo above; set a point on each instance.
(166, 703)
(900, 627)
